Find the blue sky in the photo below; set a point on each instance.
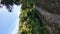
(9, 21)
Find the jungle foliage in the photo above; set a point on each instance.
(30, 23)
(29, 20)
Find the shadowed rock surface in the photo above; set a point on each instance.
(52, 6)
(49, 15)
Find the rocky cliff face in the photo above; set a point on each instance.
(52, 6)
(50, 13)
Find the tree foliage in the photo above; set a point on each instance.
(29, 20)
(9, 3)
(30, 23)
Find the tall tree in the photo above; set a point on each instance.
(9, 3)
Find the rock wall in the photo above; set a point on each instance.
(53, 20)
(52, 6)
(49, 12)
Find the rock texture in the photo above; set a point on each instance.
(49, 12)
(52, 6)
(53, 20)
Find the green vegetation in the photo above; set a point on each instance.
(30, 23)
(29, 19)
